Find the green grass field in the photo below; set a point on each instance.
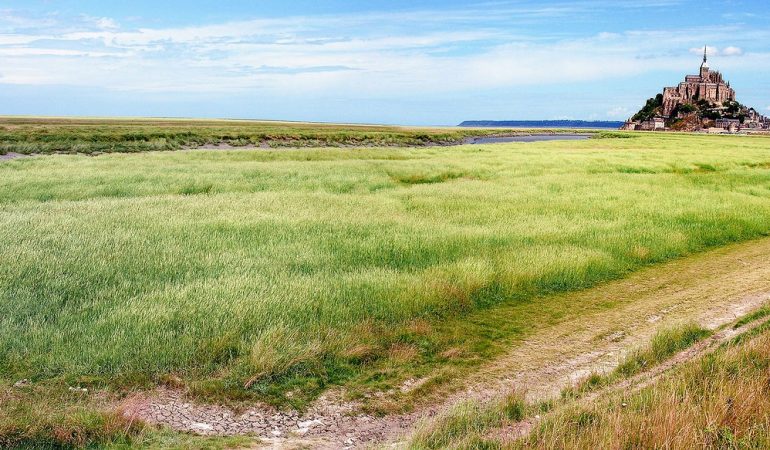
(90, 136)
(292, 269)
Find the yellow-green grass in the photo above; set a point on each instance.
(288, 270)
(30, 135)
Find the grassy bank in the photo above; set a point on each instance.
(716, 401)
(472, 423)
(719, 401)
(89, 136)
(42, 417)
(257, 273)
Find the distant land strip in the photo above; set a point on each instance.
(543, 123)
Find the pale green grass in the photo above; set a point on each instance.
(254, 266)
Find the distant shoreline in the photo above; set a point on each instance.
(542, 124)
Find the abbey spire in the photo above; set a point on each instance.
(704, 67)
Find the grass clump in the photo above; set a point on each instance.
(51, 416)
(427, 178)
(196, 189)
(756, 315)
(664, 344)
(615, 135)
(468, 421)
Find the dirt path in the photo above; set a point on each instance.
(512, 432)
(712, 289)
(11, 155)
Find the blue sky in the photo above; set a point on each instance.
(405, 62)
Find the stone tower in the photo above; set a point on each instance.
(704, 68)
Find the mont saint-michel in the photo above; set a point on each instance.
(705, 101)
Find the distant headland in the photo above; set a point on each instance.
(702, 102)
(542, 123)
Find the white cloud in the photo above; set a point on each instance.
(699, 50)
(607, 35)
(619, 112)
(17, 39)
(100, 23)
(105, 23)
(739, 15)
(14, 20)
(22, 51)
(715, 51)
(361, 54)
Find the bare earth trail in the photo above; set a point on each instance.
(712, 289)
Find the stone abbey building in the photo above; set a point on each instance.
(703, 102)
(707, 85)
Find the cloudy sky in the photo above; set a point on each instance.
(409, 62)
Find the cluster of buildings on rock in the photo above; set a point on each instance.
(707, 86)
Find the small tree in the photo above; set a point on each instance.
(650, 108)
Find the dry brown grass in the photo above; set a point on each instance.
(452, 353)
(403, 353)
(420, 327)
(360, 352)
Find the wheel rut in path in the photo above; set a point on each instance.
(712, 289)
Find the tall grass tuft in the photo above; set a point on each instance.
(664, 344)
(468, 420)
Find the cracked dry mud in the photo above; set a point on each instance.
(712, 289)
